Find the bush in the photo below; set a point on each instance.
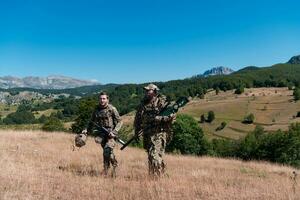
(250, 144)
(239, 90)
(188, 137)
(211, 116)
(24, 107)
(280, 147)
(202, 118)
(21, 117)
(70, 110)
(249, 119)
(217, 91)
(222, 126)
(42, 119)
(296, 94)
(223, 148)
(59, 115)
(86, 108)
(53, 124)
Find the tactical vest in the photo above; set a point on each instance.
(151, 110)
(104, 117)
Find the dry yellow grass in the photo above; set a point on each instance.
(47, 112)
(39, 165)
(7, 109)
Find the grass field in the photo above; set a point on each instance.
(47, 113)
(273, 108)
(39, 165)
(7, 109)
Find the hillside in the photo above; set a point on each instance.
(37, 165)
(273, 109)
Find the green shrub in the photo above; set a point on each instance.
(222, 126)
(223, 148)
(42, 119)
(202, 118)
(53, 124)
(188, 137)
(217, 91)
(239, 90)
(248, 147)
(86, 108)
(249, 119)
(296, 94)
(210, 116)
(20, 117)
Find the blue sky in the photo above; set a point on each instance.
(142, 41)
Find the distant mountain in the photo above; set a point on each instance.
(49, 82)
(218, 71)
(294, 60)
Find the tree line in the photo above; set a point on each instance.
(279, 147)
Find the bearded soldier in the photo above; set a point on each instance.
(155, 128)
(105, 115)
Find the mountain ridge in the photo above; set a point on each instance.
(221, 70)
(49, 82)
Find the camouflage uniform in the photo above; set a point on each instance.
(109, 118)
(155, 131)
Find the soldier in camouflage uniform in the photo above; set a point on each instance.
(155, 128)
(107, 116)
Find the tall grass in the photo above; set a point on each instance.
(39, 165)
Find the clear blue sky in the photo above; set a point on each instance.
(140, 41)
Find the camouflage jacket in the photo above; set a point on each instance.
(147, 115)
(107, 117)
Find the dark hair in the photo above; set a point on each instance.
(103, 93)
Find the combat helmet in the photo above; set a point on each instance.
(80, 140)
(151, 86)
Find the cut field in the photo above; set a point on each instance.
(273, 109)
(39, 165)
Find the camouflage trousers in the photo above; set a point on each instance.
(155, 144)
(109, 158)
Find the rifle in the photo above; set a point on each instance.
(104, 130)
(166, 111)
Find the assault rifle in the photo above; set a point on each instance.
(104, 132)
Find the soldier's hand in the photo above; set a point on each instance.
(173, 117)
(112, 134)
(84, 132)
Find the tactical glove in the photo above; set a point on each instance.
(113, 134)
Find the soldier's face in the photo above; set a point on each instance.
(103, 100)
(150, 94)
